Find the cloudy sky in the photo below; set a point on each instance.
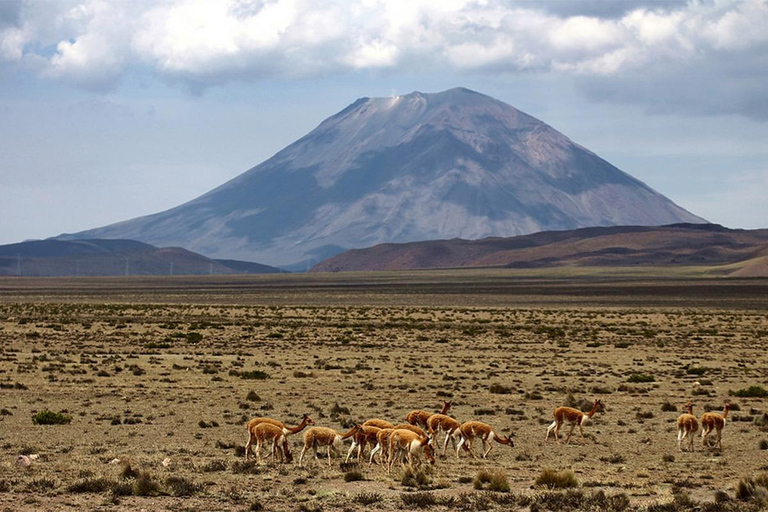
(115, 109)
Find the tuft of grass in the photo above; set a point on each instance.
(751, 392)
(47, 417)
(419, 499)
(367, 498)
(418, 479)
(500, 389)
(668, 458)
(145, 485)
(668, 407)
(763, 444)
(353, 476)
(250, 374)
(557, 479)
(496, 480)
(641, 377)
(94, 485)
(180, 486)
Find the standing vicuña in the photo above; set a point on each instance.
(450, 426)
(306, 420)
(419, 418)
(573, 417)
(407, 442)
(711, 421)
(687, 425)
(267, 433)
(477, 429)
(366, 435)
(322, 436)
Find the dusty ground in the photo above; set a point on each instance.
(147, 378)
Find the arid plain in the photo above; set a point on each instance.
(159, 376)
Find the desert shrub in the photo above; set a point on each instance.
(337, 409)
(578, 500)
(249, 374)
(615, 458)
(641, 377)
(413, 478)
(47, 417)
(5, 486)
(41, 485)
(751, 392)
(753, 489)
(248, 467)
(126, 471)
(145, 485)
(252, 396)
(180, 486)
(644, 415)
(418, 499)
(668, 407)
(763, 444)
(367, 498)
(484, 412)
(668, 458)
(353, 476)
(500, 389)
(215, 465)
(696, 370)
(496, 480)
(95, 485)
(557, 479)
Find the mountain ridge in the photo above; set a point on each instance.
(95, 257)
(672, 245)
(414, 167)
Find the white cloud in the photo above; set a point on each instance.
(93, 42)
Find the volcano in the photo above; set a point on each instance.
(455, 164)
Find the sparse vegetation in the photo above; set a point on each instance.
(47, 417)
(557, 479)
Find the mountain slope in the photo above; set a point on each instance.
(112, 258)
(414, 167)
(681, 244)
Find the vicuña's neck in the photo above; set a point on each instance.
(298, 428)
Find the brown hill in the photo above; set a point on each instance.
(677, 244)
(55, 258)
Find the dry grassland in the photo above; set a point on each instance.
(147, 379)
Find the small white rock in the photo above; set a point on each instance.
(167, 462)
(115, 461)
(23, 461)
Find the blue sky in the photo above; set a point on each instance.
(112, 110)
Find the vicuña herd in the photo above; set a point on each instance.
(414, 440)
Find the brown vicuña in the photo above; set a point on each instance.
(573, 417)
(483, 431)
(376, 422)
(306, 420)
(440, 422)
(366, 435)
(382, 445)
(267, 433)
(687, 425)
(419, 418)
(322, 436)
(714, 421)
(408, 442)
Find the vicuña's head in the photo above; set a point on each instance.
(688, 407)
(598, 406)
(429, 453)
(309, 420)
(727, 406)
